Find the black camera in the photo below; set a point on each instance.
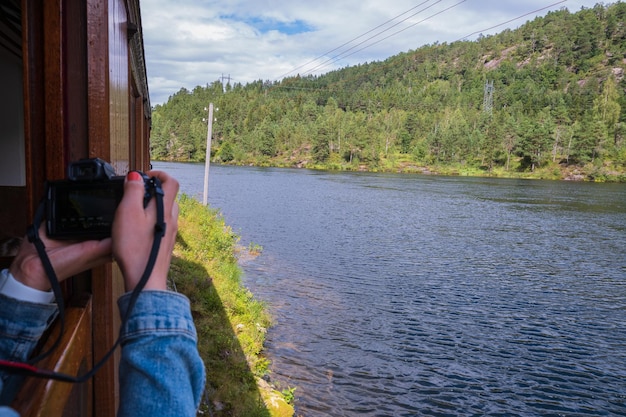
(83, 206)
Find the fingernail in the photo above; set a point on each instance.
(134, 176)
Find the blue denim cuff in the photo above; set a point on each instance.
(160, 358)
(22, 324)
(157, 313)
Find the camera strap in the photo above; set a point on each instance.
(154, 189)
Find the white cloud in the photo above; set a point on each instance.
(194, 42)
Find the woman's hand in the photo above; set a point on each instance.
(67, 258)
(133, 231)
(131, 242)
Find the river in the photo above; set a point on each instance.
(413, 295)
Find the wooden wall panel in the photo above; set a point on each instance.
(34, 107)
(13, 222)
(98, 117)
(107, 285)
(53, 90)
(78, 102)
(108, 139)
(75, 79)
(139, 135)
(118, 86)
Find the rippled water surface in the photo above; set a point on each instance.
(403, 295)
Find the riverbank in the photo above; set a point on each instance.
(402, 164)
(231, 323)
(558, 172)
(554, 171)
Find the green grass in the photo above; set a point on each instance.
(231, 323)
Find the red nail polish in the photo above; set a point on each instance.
(134, 176)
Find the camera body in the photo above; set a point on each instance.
(83, 206)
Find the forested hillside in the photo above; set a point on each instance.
(548, 98)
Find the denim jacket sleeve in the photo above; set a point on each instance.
(21, 326)
(161, 372)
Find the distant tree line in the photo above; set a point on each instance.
(558, 100)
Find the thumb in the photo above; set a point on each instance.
(134, 190)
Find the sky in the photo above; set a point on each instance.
(197, 42)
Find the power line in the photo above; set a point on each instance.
(342, 55)
(442, 11)
(395, 33)
(337, 57)
(360, 36)
(512, 20)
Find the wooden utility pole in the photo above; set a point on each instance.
(207, 161)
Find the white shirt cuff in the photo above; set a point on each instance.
(11, 287)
